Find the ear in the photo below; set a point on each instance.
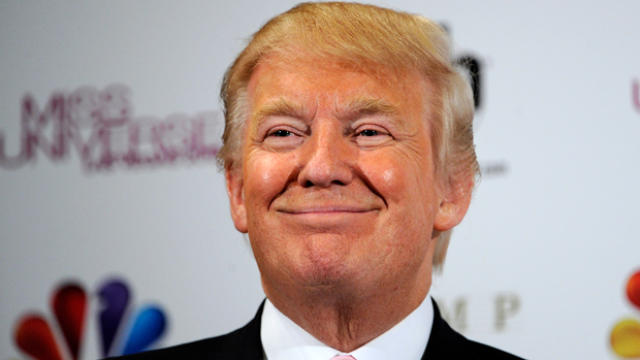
(236, 197)
(455, 201)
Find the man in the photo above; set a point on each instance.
(348, 154)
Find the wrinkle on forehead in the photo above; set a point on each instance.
(294, 56)
(283, 95)
(384, 76)
(348, 110)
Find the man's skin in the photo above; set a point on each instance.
(340, 194)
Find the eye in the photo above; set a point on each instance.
(368, 132)
(280, 133)
(282, 139)
(371, 135)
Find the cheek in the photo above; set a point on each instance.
(406, 185)
(266, 176)
(387, 175)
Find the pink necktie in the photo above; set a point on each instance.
(343, 357)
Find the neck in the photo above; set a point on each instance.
(346, 320)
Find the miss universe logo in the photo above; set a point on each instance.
(100, 126)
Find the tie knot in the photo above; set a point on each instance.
(343, 357)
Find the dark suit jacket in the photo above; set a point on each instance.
(245, 344)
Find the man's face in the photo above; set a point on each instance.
(337, 186)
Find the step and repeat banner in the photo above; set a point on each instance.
(114, 222)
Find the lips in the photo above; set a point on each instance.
(326, 209)
(328, 217)
(327, 202)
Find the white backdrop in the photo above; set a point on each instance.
(538, 267)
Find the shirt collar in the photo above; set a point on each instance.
(283, 339)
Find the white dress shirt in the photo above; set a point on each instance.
(282, 339)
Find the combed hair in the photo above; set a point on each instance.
(367, 38)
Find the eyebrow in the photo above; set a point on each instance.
(367, 106)
(280, 107)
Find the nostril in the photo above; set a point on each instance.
(309, 183)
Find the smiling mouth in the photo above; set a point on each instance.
(326, 207)
(327, 210)
(328, 218)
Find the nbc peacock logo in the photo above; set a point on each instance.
(625, 335)
(122, 329)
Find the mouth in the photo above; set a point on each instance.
(327, 217)
(326, 209)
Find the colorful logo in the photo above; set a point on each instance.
(625, 335)
(121, 331)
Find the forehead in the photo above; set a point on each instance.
(311, 83)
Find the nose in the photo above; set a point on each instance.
(327, 157)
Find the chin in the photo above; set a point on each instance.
(322, 261)
(323, 271)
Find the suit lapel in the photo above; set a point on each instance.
(249, 338)
(442, 339)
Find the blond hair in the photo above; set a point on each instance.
(362, 37)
